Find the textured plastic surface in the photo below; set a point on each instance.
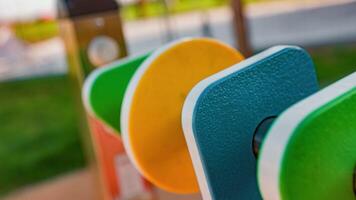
(222, 112)
(104, 90)
(102, 96)
(151, 114)
(310, 152)
(118, 176)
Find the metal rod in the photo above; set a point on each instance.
(260, 133)
(167, 21)
(206, 29)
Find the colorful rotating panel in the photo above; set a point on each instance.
(151, 112)
(310, 151)
(221, 113)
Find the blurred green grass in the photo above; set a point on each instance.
(333, 63)
(39, 135)
(156, 8)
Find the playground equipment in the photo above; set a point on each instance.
(93, 36)
(224, 124)
(228, 113)
(121, 177)
(92, 33)
(313, 146)
(249, 93)
(106, 87)
(154, 98)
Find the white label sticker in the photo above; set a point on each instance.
(130, 182)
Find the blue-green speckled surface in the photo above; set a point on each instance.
(228, 111)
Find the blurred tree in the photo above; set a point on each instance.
(36, 31)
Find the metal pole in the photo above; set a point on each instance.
(240, 28)
(169, 36)
(206, 28)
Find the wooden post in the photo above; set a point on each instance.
(240, 28)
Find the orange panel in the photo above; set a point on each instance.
(151, 113)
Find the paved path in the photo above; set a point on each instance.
(78, 185)
(300, 23)
(309, 27)
(19, 60)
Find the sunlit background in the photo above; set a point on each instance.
(40, 141)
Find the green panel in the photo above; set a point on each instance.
(320, 158)
(107, 90)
